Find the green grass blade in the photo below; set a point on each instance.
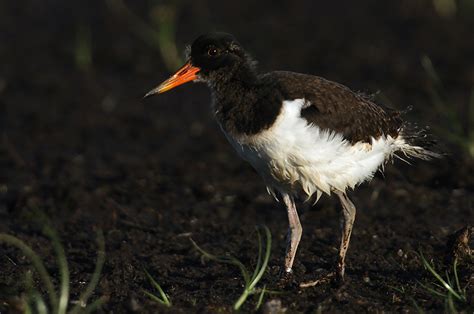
(430, 70)
(249, 289)
(33, 296)
(259, 258)
(471, 124)
(262, 262)
(437, 99)
(224, 259)
(165, 22)
(260, 298)
(40, 305)
(95, 275)
(399, 290)
(440, 279)
(63, 269)
(266, 258)
(27, 307)
(437, 285)
(448, 278)
(450, 304)
(432, 291)
(37, 263)
(418, 309)
(161, 38)
(164, 298)
(470, 119)
(456, 279)
(83, 48)
(156, 299)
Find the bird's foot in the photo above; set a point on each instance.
(335, 277)
(286, 278)
(321, 280)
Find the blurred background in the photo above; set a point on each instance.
(65, 63)
(78, 142)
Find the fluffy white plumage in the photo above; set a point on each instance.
(293, 156)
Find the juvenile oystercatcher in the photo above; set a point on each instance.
(303, 134)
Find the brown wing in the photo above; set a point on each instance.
(335, 107)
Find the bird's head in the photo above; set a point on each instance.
(212, 58)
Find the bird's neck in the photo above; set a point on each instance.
(243, 104)
(226, 81)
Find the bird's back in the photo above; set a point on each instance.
(335, 107)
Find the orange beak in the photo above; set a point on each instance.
(187, 73)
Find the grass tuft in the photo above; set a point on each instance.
(445, 287)
(163, 298)
(58, 303)
(250, 280)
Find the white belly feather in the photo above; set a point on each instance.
(294, 156)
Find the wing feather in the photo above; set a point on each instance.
(335, 107)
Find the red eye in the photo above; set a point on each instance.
(213, 52)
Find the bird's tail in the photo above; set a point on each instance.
(416, 142)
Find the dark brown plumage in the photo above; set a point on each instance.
(253, 107)
(335, 107)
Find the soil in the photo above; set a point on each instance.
(79, 144)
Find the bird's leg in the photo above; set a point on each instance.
(347, 221)
(294, 232)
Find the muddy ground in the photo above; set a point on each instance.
(79, 144)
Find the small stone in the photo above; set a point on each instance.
(133, 305)
(273, 306)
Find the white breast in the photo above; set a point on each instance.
(294, 156)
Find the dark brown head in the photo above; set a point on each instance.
(213, 58)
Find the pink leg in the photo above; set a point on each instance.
(348, 217)
(294, 232)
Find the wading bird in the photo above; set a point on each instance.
(303, 134)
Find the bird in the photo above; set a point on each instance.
(304, 135)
